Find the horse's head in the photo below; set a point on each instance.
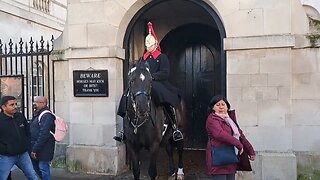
(140, 81)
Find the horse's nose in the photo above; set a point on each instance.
(142, 111)
(142, 105)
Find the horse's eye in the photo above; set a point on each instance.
(130, 80)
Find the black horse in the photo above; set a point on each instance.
(145, 125)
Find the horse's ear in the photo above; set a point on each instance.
(145, 63)
(132, 64)
(132, 67)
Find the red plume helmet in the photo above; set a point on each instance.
(151, 38)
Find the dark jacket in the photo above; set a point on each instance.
(162, 90)
(14, 134)
(42, 141)
(220, 134)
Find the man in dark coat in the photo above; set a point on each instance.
(14, 140)
(42, 141)
(162, 92)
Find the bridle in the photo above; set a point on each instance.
(145, 116)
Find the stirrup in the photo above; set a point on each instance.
(177, 135)
(120, 137)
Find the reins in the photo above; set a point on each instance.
(135, 120)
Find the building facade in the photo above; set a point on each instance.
(31, 18)
(263, 56)
(260, 54)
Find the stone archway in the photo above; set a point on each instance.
(199, 36)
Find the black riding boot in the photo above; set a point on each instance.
(120, 137)
(177, 134)
(122, 112)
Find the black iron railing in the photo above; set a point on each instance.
(27, 63)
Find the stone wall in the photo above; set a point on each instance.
(272, 79)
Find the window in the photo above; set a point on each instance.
(42, 5)
(37, 80)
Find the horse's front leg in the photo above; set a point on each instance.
(136, 167)
(153, 161)
(134, 155)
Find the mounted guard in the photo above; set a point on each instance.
(163, 93)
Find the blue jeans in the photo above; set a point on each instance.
(224, 177)
(42, 168)
(23, 162)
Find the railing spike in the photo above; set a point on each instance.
(37, 46)
(1, 47)
(48, 46)
(21, 46)
(26, 47)
(5, 49)
(31, 44)
(10, 46)
(41, 44)
(52, 41)
(16, 48)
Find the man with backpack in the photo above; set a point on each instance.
(42, 141)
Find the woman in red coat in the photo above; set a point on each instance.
(223, 130)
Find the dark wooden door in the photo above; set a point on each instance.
(194, 72)
(197, 70)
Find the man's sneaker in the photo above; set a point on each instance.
(120, 137)
(177, 135)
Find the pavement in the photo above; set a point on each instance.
(61, 174)
(194, 169)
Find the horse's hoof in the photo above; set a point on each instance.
(180, 174)
(172, 177)
(180, 177)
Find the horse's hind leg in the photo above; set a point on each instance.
(180, 174)
(171, 167)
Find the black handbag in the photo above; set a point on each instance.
(222, 156)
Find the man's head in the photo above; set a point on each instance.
(151, 41)
(9, 105)
(40, 102)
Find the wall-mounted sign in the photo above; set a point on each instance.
(90, 83)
